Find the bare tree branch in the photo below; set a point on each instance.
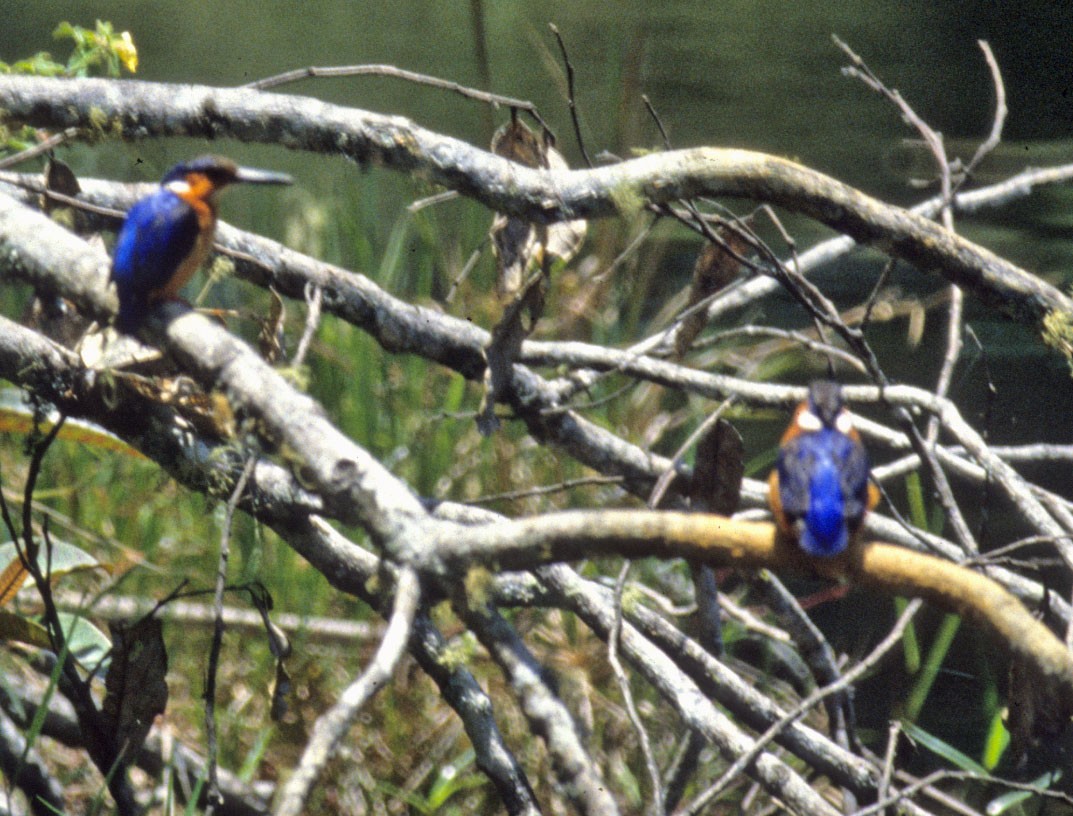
(142, 109)
(548, 716)
(438, 550)
(332, 726)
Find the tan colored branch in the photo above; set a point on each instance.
(727, 542)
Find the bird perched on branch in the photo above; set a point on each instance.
(168, 234)
(819, 490)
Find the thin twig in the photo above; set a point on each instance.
(547, 490)
(495, 100)
(665, 479)
(816, 650)
(42, 147)
(893, 733)
(999, 119)
(571, 99)
(314, 298)
(656, 806)
(747, 758)
(332, 726)
(213, 796)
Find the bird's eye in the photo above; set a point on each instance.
(844, 422)
(808, 421)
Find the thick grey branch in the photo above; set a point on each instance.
(139, 110)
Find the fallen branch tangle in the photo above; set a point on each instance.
(436, 555)
(137, 110)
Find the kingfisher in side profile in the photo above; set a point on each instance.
(168, 234)
(819, 490)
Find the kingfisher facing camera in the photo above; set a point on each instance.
(819, 490)
(168, 234)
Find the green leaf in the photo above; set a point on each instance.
(944, 636)
(450, 780)
(195, 795)
(24, 630)
(914, 493)
(998, 738)
(62, 558)
(64, 31)
(942, 749)
(1000, 804)
(910, 641)
(40, 64)
(391, 265)
(255, 756)
(86, 643)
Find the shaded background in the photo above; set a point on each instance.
(762, 75)
(759, 75)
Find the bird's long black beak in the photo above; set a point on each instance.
(251, 175)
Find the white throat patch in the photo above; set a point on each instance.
(844, 422)
(179, 187)
(808, 422)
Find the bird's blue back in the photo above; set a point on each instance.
(823, 479)
(159, 233)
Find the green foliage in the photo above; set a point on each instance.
(1058, 334)
(100, 50)
(924, 670)
(936, 656)
(943, 749)
(417, 418)
(86, 643)
(996, 742)
(1022, 801)
(451, 778)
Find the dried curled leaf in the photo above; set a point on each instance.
(715, 268)
(209, 413)
(524, 254)
(52, 315)
(507, 337)
(55, 561)
(518, 143)
(519, 246)
(135, 689)
(282, 688)
(718, 471)
(270, 336)
(1038, 711)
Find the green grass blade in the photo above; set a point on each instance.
(943, 749)
(930, 670)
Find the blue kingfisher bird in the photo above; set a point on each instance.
(819, 490)
(168, 234)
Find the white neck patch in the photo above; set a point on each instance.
(179, 187)
(808, 421)
(844, 422)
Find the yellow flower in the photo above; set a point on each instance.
(127, 53)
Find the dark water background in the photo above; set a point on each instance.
(761, 75)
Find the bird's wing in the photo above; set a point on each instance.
(794, 465)
(160, 231)
(854, 470)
